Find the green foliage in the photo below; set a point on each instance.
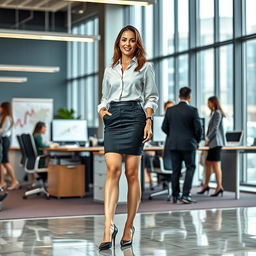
(63, 113)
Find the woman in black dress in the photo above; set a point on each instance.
(129, 99)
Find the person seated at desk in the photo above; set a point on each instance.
(40, 128)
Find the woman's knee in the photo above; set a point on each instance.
(114, 172)
(131, 175)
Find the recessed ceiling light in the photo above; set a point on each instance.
(39, 35)
(23, 68)
(120, 2)
(13, 79)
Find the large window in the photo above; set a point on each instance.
(210, 46)
(182, 24)
(206, 22)
(205, 79)
(250, 17)
(250, 175)
(226, 85)
(226, 19)
(167, 46)
(83, 74)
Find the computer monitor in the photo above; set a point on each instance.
(202, 121)
(234, 138)
(158, 134)
(69, 130)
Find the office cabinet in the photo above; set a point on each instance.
(66, 180)
(99, 178)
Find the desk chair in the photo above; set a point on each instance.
(32, 165)
(165, 170)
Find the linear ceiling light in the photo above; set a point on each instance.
(13, 79)
(29, 68)
(121, 2)
(38, 35)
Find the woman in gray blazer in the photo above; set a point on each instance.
(215, 139)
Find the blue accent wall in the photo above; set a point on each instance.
(39, 85)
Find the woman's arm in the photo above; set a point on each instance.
(103, 106)
(150, 90)
(6, 126)
(39, 141)
(216, 119)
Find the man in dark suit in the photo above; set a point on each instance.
(183, 128)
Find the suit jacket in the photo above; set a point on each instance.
(183, 127)
(215, 131)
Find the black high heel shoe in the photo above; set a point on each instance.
(221, 191)
(207, 189)
(125, 243)
(108, 245)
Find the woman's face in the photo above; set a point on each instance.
(43, 130)
(210, 105)
(128, 43)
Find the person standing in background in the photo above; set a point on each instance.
(168, 104)
(215, 139)
(129, 99)
(183, 129)
(6, 123)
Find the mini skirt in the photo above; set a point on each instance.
(214, 154)
(124, 130)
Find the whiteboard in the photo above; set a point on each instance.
(27, 112)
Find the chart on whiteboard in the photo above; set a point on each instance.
(27, 112)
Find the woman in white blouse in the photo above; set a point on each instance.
(129, 99)
(6, 122)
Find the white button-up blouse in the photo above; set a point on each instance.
(129, 85)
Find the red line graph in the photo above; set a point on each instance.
(23, 122)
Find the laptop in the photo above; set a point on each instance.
(234, 138)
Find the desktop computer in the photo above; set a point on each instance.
(65, 131)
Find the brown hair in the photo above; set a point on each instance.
(39, 125)
(139, 52)
(7, 111)
(216, 104)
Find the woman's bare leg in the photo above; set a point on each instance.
(134, 192)
(218, 174)
(111, 192)
(208, 172)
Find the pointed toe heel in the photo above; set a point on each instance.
(207, 189)
(108, 245)
(125, 243)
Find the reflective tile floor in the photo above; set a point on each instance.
(200, 232)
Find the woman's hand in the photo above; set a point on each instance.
(206, 143)
(147, 131)
(104, 112)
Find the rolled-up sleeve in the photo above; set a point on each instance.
(150, 90)
(104, 100)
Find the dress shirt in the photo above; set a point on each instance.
(5, 130)
(129, 85)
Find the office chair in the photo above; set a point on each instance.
(165, 170)
(32, 165)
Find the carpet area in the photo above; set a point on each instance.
(14, 207)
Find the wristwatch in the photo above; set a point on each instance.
(149, 118)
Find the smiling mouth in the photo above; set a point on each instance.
(127, 49)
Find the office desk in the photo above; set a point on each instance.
(230, 162)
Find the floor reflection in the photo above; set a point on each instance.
(229, 232)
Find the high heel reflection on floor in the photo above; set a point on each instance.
(127, 251)
(107, 252)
